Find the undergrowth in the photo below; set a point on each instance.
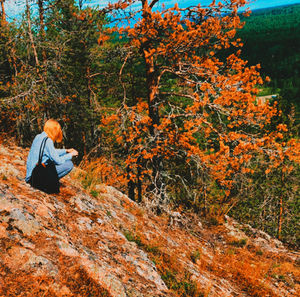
(175, 277)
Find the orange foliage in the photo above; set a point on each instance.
(216, 101)
(101, 171)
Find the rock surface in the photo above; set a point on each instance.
(73, 244)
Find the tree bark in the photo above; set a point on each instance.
(30, 34)
(3, 15)
(152, 80)
(131, 185)
(139, 182)
(80, 3)
(152, 88)
(42, 28)
(89, 84)
(13, 58)
(280, 219)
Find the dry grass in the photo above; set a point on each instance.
(100, 171)
(74, 282)
(253, 272)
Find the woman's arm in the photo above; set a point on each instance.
(61, 152)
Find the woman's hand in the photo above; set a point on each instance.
(73, 152)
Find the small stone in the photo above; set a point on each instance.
(66, 249)
(101, 188)
(3, 233)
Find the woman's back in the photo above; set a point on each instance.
(58, 156)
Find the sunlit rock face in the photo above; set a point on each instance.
(73, 244)
(44, 235)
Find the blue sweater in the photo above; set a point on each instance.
(58, 156)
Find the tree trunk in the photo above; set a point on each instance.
(42, 28)
(280, 208)
(152, 88)
(80, 3)
(139, 182)
(152, 80)
(13, 58)
(3, 15)
(131, 185)
(89, 84)
(280, 217)
(30, 34)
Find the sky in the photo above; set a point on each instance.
(16, 7)
(256, 4)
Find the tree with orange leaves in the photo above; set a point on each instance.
(200, 122)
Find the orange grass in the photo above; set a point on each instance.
(253, 273)
(73, 279)
(101, 171)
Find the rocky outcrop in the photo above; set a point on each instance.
(76, 244)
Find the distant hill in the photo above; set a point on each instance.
(272, 38)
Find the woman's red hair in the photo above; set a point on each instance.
(53, 130)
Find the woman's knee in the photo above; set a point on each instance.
(64, 168)
(70, 165)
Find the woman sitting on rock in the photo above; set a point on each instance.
(44, 143)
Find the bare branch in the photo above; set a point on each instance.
(24, 94)
(153, 3)
(120, 76)
(178, 95)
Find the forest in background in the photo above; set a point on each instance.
(271, 38)
(165, 110)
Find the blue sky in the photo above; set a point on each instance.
(255, 4)
(16, 7)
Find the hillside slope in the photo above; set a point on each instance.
(74, 244)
